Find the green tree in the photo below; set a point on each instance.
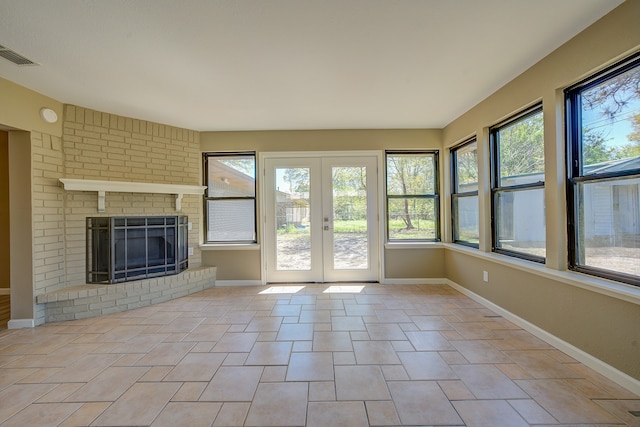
(635, 123)
(410, 175)
(349, 178)
(595, 149)
(298, 179)
(467, 168)
(349, 192)
(614, 96)
(522, 147)
(633, 148)
(614, 99)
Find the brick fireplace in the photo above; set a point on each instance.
(150, 170)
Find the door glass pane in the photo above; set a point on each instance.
(350, 248)
(293, 228)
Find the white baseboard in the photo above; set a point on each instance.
(430, 281)
(21, 323)
(581, 356)
(224, 283)
(5, 291)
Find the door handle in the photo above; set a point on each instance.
(327, 228)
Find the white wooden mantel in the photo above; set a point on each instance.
(103, 187)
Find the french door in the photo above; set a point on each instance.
(321, 219)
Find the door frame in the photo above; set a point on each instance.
(262, 190)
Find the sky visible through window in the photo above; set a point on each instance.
(609, 111)
(615, 130)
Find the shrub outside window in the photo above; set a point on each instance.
(412, 196)
(230, 198)
(517, 186)
(603, 148)
(464, 193)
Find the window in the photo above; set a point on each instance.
(603, 148)
(412, 196)
(517, 186)
(464, 193)
(230, 198)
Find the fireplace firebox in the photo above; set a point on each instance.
(122, 249)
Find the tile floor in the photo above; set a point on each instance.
(315, 355)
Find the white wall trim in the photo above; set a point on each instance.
(21, 323)
(581, 356)
(226, 283)
(5, 291)
(431, 281)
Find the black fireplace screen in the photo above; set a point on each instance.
(121, 249)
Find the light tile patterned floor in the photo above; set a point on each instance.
(285, 356)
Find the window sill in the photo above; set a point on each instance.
(413, 245)
(610, 288)
(230, 247)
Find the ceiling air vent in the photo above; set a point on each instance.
(14, 57)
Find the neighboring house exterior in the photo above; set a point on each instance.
(611, 210)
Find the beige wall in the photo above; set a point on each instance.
(20, 109)
(603, 326)
(5, 266)
(234, 265)
(20, 217)
(321, 140)
(415, 263)
(229, 266)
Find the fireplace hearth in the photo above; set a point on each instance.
(122, 249)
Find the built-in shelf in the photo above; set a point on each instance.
(103, 187)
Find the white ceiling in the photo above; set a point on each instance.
(284, 64)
